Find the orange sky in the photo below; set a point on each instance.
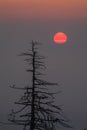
(43, 9)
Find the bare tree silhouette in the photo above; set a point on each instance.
(37, 110)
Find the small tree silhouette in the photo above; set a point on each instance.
(37, 111)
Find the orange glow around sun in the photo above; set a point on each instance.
(60, 38)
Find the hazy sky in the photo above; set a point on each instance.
(24, 20)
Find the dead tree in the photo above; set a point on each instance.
(37, 110)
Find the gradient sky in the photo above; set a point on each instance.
(45, 10)
(24, 20)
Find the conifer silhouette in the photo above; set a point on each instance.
(37, 109)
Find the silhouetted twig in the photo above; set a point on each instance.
(37, 104)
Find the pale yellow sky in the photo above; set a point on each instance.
(43, 9)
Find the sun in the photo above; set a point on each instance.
(60, 38)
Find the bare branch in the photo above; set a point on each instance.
(36, 107)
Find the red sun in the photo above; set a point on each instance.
(60, 38)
